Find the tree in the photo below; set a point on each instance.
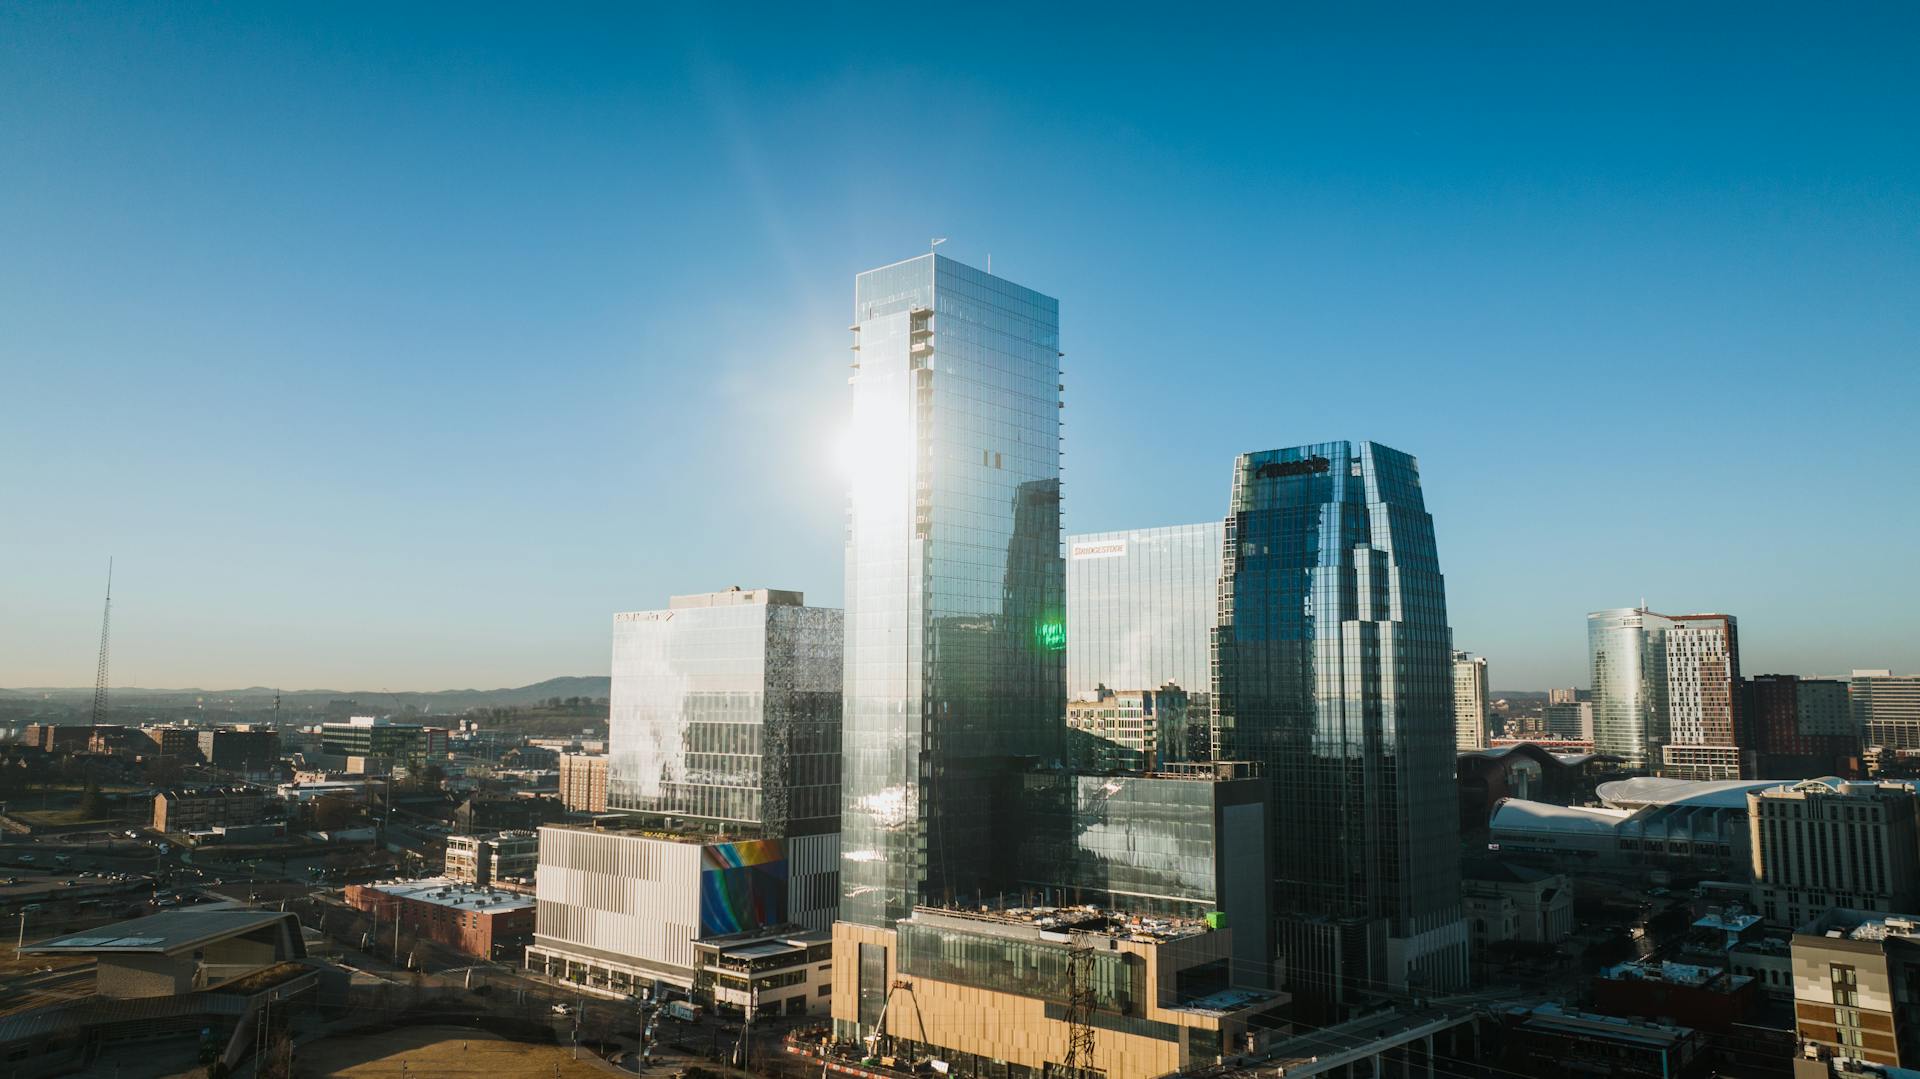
(333, 812)
(92, 806)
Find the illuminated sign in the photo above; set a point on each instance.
(1108, 549)
(1274, 470)
(1052, 634)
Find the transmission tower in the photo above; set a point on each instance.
(1079, 1008)
(100, 671)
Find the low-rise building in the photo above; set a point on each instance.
(246, 750)
(57, 738)
(482, 922)
(192, 810)
(583, 782)
(1547, 1040)
(180, 951)
(990, 992)
(408, 744)
(499, 857)
(1512, 903)
(1710, 998)
(761, 974)
(1856, 987)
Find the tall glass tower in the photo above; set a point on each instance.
(1334, 669)
(1628, 646)
(955, 607)
(1140, 608)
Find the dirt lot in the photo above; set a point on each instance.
(434, 1052)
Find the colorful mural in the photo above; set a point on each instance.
(743, 886)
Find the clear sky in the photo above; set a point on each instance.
(398, 346)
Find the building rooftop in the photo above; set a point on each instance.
(1541, 816)
(1643, 791)
(164, 933)
(1731, 919)
(1671, 973)
(1058, 922)
(446, 892)
(738, 597)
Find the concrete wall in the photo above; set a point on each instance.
(144, 975)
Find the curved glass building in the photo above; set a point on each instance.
(1629, 650)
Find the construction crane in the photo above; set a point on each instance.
(100, 669)
(1080, 1002)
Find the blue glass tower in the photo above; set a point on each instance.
(955, 588)
(1333, 669)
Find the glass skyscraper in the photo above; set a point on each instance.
(1629, 650)
(725, 708)
(956, 620)
(1335, 671)
(1140, 608)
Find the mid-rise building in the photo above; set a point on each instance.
(1334, 673)
(1566, 695)
(58, 738)
(761, 973)
(491, 859)
(1886, 706)
(1700, 996)
(726, 709)
(1801, 727)
(177, 741)
(622, 907)
(1856, 988)
(197, 810)
(1703, 697)
(1628, 649)
(1819, 844)
(409, 745)
(246, 750)
(989, 991)
(1470, 701)
(477, 921)
(1141, 607)
(1570, 720)
(583, 782)
(1130, 729)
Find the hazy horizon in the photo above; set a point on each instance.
(401, 347)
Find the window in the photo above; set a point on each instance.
(826, 991)
(1846, 985)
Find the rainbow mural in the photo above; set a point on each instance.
(743, 886)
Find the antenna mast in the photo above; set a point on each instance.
(100, 671)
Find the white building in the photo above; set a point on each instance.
(1825, 843)
(764, 974)
(1470, 696)
(1703, 686)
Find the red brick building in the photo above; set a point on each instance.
(483, 922)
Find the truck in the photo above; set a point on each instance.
(684, 1010)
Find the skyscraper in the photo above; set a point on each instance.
(1628, 647)
(1886, 707)
(1334, 671)
(725, 708)
(1703, 695)
(1141, 608)
(955, 622)
(1470, 705)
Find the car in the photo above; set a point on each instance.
(32, 908)
(563, 1009)
(27, 858)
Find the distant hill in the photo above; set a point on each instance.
(374, 700)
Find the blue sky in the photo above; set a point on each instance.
(394, 345)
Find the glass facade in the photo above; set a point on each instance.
(1141, 607)
(1334, 670)
(729, 714)
(1629, 650)
(1020, 964)
(1886, 708)
(956, 620)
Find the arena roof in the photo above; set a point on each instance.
(166, 933)
(1643, 791)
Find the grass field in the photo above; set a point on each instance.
(436, 1052)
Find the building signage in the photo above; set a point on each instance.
(1276, 469)
(1104, 549)
(644, 616)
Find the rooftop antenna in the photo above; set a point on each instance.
(935, 242)
(100, 670)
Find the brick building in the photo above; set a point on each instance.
(583, 782)
(193, 810)
(480, 922)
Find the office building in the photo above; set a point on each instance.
(1801, 727)
(1703, 697)
(1856, 988)
(1628, 650)
(1190, 843)
(473, 920)
(1566, 695)
(989, 991)
(758, 974)
(1129, 729)
(1334, 673)
(583, 782)
(725, 708)
(1818, 844)
(621, 907)
(208, 807)
(246, 750)
(1570, 721)
(409, 745)
(955, 621)
(1141, 607)
(174, 740)
(498, 858)
(1886, 706)
(55, 738)
(1470, 701)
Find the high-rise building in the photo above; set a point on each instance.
(1818, 844)
(1141, 606)
(1470, 704)
(1564, 695)
(1334, 673)
(1628, 647)
(725, 708)
(1886, 706)
(1800, 728)
(1703, 697)
(1135, 729)
(956, 614)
